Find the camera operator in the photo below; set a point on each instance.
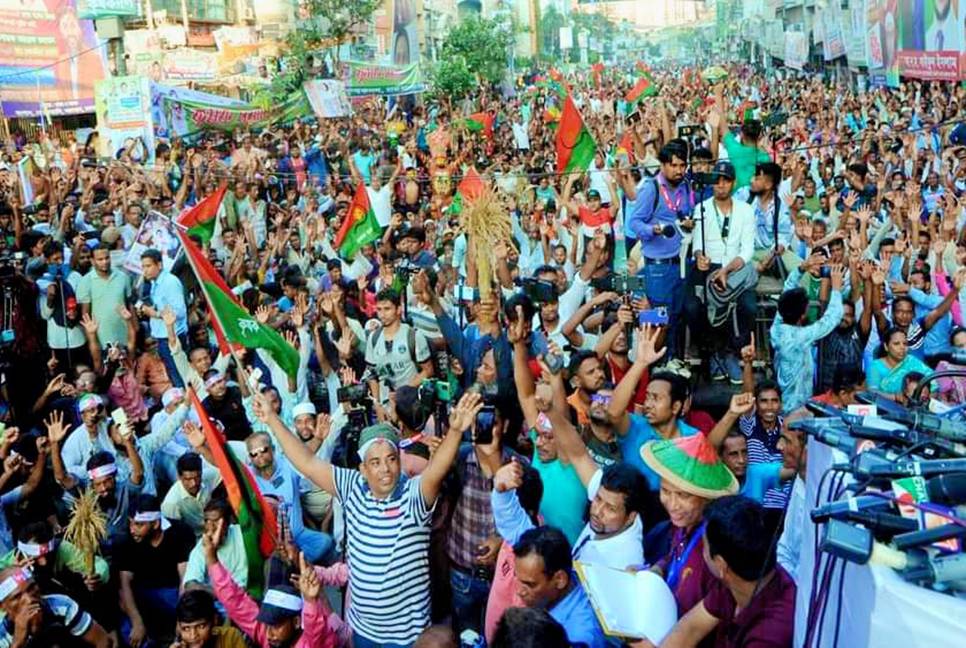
(661, 205)
(60, 308)
(19, 334)
(723, 251)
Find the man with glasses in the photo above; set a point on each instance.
(276, 477)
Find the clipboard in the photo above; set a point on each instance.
(629, 605)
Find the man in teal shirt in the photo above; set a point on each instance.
(744, 152)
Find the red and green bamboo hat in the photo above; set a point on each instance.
(691, 464)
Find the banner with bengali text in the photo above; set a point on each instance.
(931, 39)
(187, 117)
(796, 50)
(855, 22)
(95, 9)
(49, 59)
(364, 79)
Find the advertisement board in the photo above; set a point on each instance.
(49, 59)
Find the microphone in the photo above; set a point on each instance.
(882, 525)
(942, 569)
(947, 489)
(824, 433)
(889, 469)
(929, 536)
(838, 508)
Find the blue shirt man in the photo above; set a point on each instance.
(162, 290)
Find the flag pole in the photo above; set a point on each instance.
(204, 291)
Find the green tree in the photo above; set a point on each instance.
(550, 23)
(482, 44)
(331, 19)
(452, 78)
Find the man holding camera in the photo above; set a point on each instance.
(660, 213)
(723, 250)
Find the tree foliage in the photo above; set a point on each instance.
(482, 44)
(453, 78)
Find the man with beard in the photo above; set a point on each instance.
(662, 209)
(842, 348)
(115, 493)
(586, 378)
(59, 566)
(35, 619)
(102, 293)
(151, 563)
(286, 618)
(225, 403)
(667, 393)
(197, 624)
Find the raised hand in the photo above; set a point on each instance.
(519, 328)
(168, 316)
(55, 385)
(462, 416)
(194, 434)
(309, 583)
(262, 313)
(647, 352)
(742, 404)
(508, 477)
(748, 352)
(56, 429)
(323, 425)
(89, 324)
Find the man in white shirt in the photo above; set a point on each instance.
(724, 244)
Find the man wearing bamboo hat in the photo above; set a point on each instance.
(691, 475)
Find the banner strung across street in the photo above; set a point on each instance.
(188, 116)
(364, 79)
(50, 60)
(95, 9)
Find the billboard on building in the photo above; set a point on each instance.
(95, 9)
(49, 59)
(882, 43)
(931, 39)
(405, 32)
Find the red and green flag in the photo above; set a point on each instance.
(200, 219)
(597, 69)
(360, 226)
(481, 122)
(232, 323)
(551, 116)
(255, 517)
(555, 87)
(643, 88)
(470, 188)
(626, 145)
(574, 144)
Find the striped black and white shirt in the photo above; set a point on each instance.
(387, 544)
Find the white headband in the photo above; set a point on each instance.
(213, 379)
(34, 550)
(14, 581)
(284, 600)
(364, 448)
(102, 471)
(147, 516)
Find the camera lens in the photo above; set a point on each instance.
(668, 231)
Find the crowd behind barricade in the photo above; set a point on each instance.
(447, 461)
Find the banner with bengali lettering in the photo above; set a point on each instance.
(49, 59)
(855, 22)
(833, 45)
(364, 79)
(187, 116)
(931, 39)
(796, 50)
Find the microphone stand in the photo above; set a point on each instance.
(948, 373)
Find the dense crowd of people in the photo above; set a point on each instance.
(450, 453)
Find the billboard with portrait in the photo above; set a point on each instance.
(882, 42)
(931, 39)
(49, 59)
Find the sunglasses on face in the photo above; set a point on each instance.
(258, 451)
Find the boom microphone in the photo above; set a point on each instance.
(947, 489)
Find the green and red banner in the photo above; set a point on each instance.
(574, 144)
(200, 219)
(255, 517)
(366, 79)
(232, 323)
(643, 88)
(481, 122)
(360, 226)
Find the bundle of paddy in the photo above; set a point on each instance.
(87, 527)
(487, 222)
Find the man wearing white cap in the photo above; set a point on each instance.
(286, 618)
(388, 519)
(314, 430)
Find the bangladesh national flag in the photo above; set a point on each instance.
(469, 189)
(574, 143)
(200, 219)
(481, 121)
(360, 226)
(255, 517)
(232, 323)
(643, 88)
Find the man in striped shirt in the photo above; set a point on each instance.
(387, 518)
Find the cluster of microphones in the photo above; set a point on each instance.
(901, 500)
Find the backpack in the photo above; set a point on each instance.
(376, 335)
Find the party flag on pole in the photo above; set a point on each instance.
(255, 517)
(574, 143)
(200, 219)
